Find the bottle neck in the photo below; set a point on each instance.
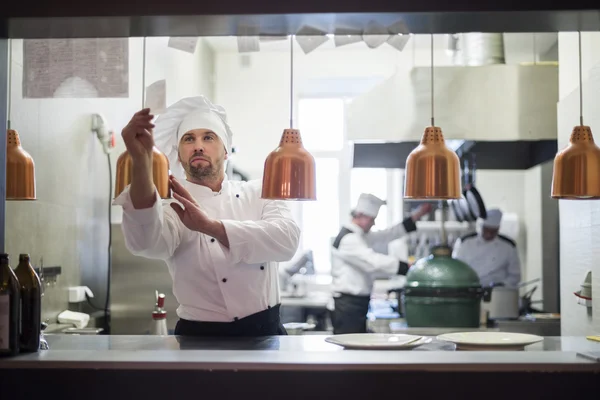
(4, 259)
(24, 262)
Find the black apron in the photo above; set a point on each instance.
(263, 323)
(350, 314)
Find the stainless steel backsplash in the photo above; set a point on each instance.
(132, 294)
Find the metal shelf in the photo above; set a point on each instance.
(437, 225)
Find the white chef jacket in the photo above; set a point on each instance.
(211, 282)
(495, 261)
(355, 265)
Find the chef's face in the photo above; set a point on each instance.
(202, 154)
(488, 233)
(364, 221)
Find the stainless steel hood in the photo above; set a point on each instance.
(481, 103)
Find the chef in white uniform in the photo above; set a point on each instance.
(355, 264)
(220, 240)
(493, 256)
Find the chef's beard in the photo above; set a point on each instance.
(201, 173)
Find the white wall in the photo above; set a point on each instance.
(68, 224)
(579, 220)
(256, 97)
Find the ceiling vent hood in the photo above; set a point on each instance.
(496, 102)
(476, 49)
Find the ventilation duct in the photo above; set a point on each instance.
(477, 49)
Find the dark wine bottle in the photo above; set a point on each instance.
(31, 304)
(10, 309)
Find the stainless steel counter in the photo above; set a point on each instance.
(294, 353)
(296, 367)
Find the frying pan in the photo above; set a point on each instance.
(473, 198)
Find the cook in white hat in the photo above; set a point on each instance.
(221, 241)
(355, 263)
(493, 256)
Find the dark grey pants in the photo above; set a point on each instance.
(350, 314)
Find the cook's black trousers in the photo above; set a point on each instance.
(350, 314)
(263, 323)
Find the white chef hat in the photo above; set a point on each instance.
(187, 114)
(493, 219)
(369, 205)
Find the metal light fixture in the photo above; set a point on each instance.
(289, 172)
(20, 168)
(576, 174)
(432, 169)
(160, 162)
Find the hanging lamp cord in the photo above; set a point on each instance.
(9, 100)
(580, 85)
(432, 109)
(291, 81)
(144, 73)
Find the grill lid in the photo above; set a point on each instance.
(439, 270)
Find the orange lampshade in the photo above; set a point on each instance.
(20, 170)
(432, 169)
(289, 170)
(160, 173)
(576, 173)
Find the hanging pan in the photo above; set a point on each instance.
(462, 203)
(473, 197)
(456, 207)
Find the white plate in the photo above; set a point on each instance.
(490, 340)
(378, 341)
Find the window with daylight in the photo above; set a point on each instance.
(321, 122)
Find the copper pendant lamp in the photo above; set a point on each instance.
(432, 169)
(576, 174)
(289, 172)
(160, 162)
(20, 168)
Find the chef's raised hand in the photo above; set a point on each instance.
(422, 210)
(192, 215)
(137, 134)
